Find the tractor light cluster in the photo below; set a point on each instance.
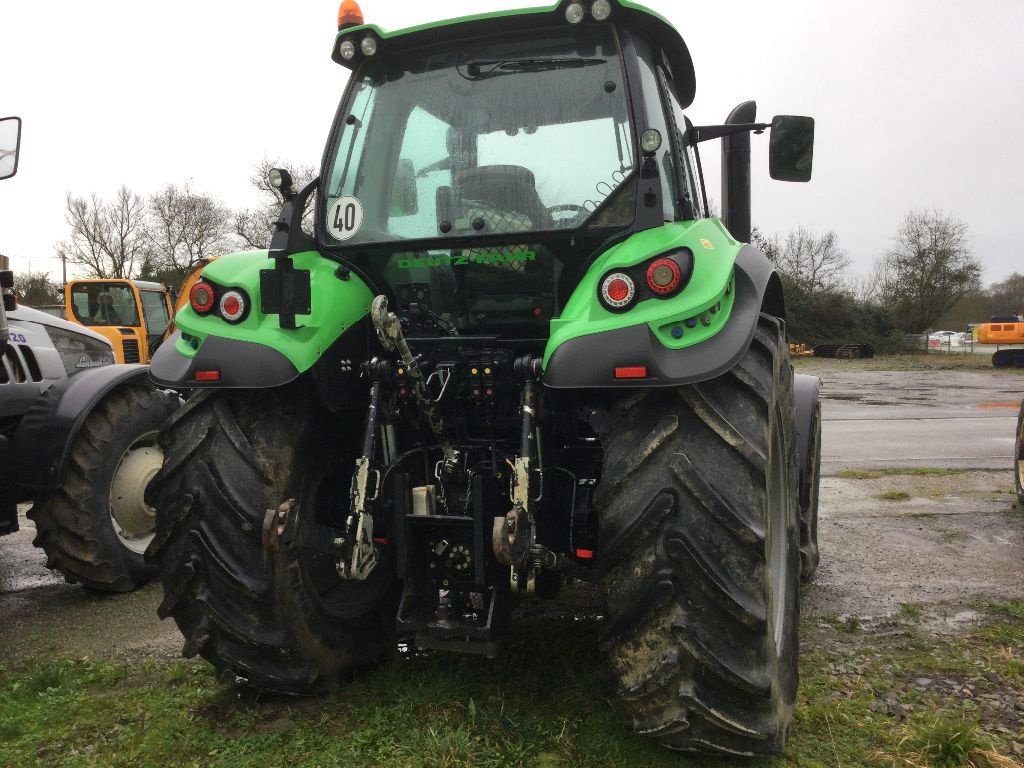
(350, 15)
(600, 10)
(232, 304)
(659, 278)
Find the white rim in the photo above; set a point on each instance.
(133, 520)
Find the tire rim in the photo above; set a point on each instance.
(778, 537)
(133, 520)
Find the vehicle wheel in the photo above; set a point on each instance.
(1018, 452)
(95, 528)
(808, 414)
(700, 555)
(277, 616)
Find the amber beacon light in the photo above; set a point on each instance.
(349, 15)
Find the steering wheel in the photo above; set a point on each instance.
(578, 212)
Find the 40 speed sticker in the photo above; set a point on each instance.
(344, 218)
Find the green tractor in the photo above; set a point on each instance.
(515, 349)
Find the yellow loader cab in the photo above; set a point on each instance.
(132, 314)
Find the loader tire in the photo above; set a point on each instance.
(95, 528)
(699, 551)
(1018, 453)
(266, 611)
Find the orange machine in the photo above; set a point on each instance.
(1004, 332)
(133, 314)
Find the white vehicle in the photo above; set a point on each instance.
(945, 340)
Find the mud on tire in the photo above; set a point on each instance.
(699, 536)
(280, 619)
(74, 524)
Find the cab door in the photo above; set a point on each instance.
(156, 316)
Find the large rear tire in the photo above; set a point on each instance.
(699, 531)
(95, 528)
(277, 616)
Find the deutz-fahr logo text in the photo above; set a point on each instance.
(462, 260)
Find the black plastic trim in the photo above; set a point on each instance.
(42, 444)
(242, 365)
(589, 361)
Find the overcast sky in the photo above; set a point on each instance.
(917, 103)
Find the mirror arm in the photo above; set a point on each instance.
(699, 133)
(288, 237)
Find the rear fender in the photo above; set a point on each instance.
(260, 351)
(696, 335)
(42, 444)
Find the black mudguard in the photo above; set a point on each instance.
(240, 364)
(808, 410)
(589, 361)
(42, 444)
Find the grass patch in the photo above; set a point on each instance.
(911, 610)
(893, 496)
(544, 703)
(949, 742)
(875, 474)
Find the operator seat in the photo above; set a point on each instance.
(510, 189)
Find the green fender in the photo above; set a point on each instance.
(258, 352)
(695, 335)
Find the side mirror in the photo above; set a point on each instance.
(791, 148)
(10, 142)
(404, 201)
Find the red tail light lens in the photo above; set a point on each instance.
(233, 305)
(618, 290)
(201, 297)
(663, 276)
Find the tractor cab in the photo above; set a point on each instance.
(476, 170)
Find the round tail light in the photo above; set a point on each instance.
(663, 276)
(201, 297)
(618, 290)
(232, 306)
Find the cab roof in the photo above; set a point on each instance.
(625, 13)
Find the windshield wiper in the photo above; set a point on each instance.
(483, 69)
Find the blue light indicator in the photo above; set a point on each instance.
(677, 331)
(691, 322)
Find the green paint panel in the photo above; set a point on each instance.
(714, 255)
(336, 306)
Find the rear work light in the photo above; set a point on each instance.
(233, 305)
(663, 276)
(201, 297)
(618, 290)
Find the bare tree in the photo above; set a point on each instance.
(108, 237)
(1007, 296)
(253, 226)
(928, 269)
(811, 262)
(769, 246)
(184, 228)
